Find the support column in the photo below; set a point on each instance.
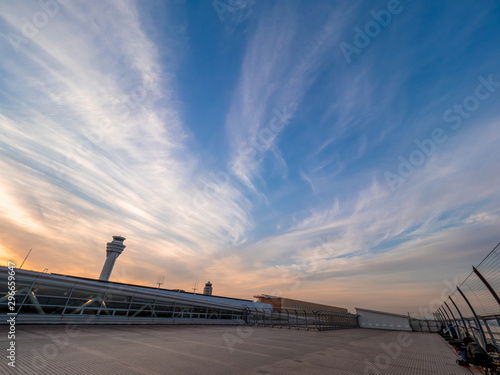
(491, 333)
(459, 313)
(456, 323)
(445, 317)
(487, 284)
(475, 316)
(449, 321)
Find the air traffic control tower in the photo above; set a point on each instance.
(113, 250)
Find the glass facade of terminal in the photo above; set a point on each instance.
(53, 298)
(46, 298)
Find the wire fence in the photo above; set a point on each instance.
(290, 318)
(424, 325)
(474, 307)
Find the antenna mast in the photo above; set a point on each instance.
(160, 280)
(29, 252)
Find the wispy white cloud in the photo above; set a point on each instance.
(433, 228)
(361, 222)
(279, 65)
(94, 143)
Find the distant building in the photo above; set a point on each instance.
(208, 289)
(288, 303)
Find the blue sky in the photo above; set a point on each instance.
(344, 152)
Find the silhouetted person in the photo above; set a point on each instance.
(467, 339)
(452, 331)
(490, 348)
(478, 356)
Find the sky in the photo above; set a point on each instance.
(339, 152)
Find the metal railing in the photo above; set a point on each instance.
(474, 307)
(291, 318)
(424, 325)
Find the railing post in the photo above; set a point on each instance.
(453, 316)
(448, 320)
(475, 316)
(427, 322)
(67, 299)
(490, 333)
(246, 313)
(264, 317)
(473, 330)
(459, 313)
(445, 317)
(440, 312)
(438, 317)
(410, 323)
(487, 284)
(153, 313)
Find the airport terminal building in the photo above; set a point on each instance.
(53, 298)
(42, 298)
